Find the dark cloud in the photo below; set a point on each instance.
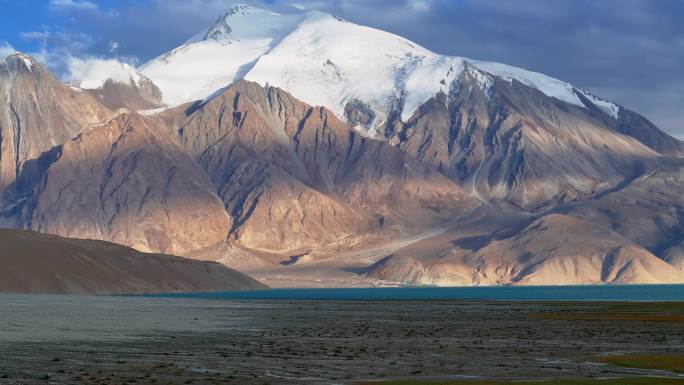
(628, 51)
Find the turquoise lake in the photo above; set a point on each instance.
(495, 293)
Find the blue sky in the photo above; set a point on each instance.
(628, 51)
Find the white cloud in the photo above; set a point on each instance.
(299, 6)
(83, 7)
(305, 6)
(74, 43)
(35, 35)
(6, 49)
(73, 4)
(420, 5)
(91, 73)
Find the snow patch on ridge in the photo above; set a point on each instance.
(435, 74)
(551, 87)
(153, 111)
(609, 108)
(27, 62)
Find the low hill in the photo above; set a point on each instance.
(40, 263)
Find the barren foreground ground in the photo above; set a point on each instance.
(116, 340)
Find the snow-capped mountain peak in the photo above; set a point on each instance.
(324, 60)
(242, 9)
(245, 22)
(219, 55)
(18, 61)
(220, 30)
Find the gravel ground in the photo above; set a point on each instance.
(116, 340)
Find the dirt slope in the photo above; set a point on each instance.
(39, 263)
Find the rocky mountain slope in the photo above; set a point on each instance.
(510, 142)
(649, 210)
(253, 167)
(134, 95)
(553, 250)
(127, 182)
(37, 112)
(39, 263)
(638, 225)
(293, 176)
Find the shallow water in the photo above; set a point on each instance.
(646, 293)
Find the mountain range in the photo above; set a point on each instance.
(306, 150)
